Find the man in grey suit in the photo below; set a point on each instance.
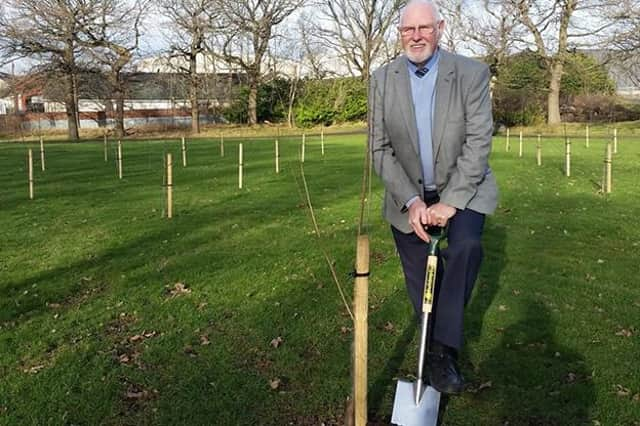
(431, 126)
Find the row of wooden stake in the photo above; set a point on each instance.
(169, 165)
(606, 180)
(184, 152)
(508, 142)
(609, 150)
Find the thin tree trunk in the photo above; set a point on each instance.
(193, 95)
(252, 108)
(76, 99)
(71, 111)
(195, 112)
(292, 97)
(553, 100)
(118, 94)
(120, 116)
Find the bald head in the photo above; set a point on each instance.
(420, 30)
(420, 4)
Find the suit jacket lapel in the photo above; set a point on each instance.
(443, 92)
(405, 99)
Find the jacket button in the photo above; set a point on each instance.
(420, 181)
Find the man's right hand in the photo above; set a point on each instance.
(418, 218)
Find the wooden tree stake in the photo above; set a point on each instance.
(240, 166)
(106, 156)
(221, 145)
(30, 166)
(277, 157)
(322, 141)
(520, 152)
(568, 157)
(169, 186)
(615, 141)
(302, 148)
(184, 153)
(119, 159)
(607, 163)
(539, 152)
(507, 144)
(42, 153)
(586, 137)
(360, 300)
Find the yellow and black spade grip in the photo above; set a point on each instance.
(429, 283)
(437, 234)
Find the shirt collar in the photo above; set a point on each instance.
(433, 60)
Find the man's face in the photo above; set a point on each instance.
(420, 32)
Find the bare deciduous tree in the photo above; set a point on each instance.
(47, 30)
(556, 26)
(624, 52)
(248, 29)
(113, 40)
(357, 29)
(488, 28)
(190, 23)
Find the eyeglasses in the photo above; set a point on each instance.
(423, 30)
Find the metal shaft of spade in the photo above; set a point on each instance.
(422, 354)
(427, 306)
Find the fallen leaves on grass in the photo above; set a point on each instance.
(480, 387)
(345, 330)
(274, 384)
(179, 289)
(35, 369)
(626, 332)
(378, 257)
(140, 337)
(502, 308)
(277, 342)
(136, 393)
(204, 340)
(621, 391)
(389, 327)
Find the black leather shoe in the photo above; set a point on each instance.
(444, 374)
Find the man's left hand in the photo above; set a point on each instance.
(439, 214)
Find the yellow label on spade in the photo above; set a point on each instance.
(429, 283)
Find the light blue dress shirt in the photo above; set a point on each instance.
(423, 91)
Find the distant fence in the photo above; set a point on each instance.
(34, 122)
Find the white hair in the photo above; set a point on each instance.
(433, 4)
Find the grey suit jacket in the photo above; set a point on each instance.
(462, 129)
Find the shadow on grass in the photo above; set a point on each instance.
(495, 259)
(530, 365)
(383, 383)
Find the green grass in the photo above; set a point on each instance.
(91, 334)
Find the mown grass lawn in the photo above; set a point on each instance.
(112, 314)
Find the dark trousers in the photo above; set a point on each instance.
(458, 266)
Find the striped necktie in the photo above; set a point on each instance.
(420, 72)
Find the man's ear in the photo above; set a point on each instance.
(440, 29)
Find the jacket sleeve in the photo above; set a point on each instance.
(393, 175)
(473, 163)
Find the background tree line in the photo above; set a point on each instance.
(531, 47)
(519, 95)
